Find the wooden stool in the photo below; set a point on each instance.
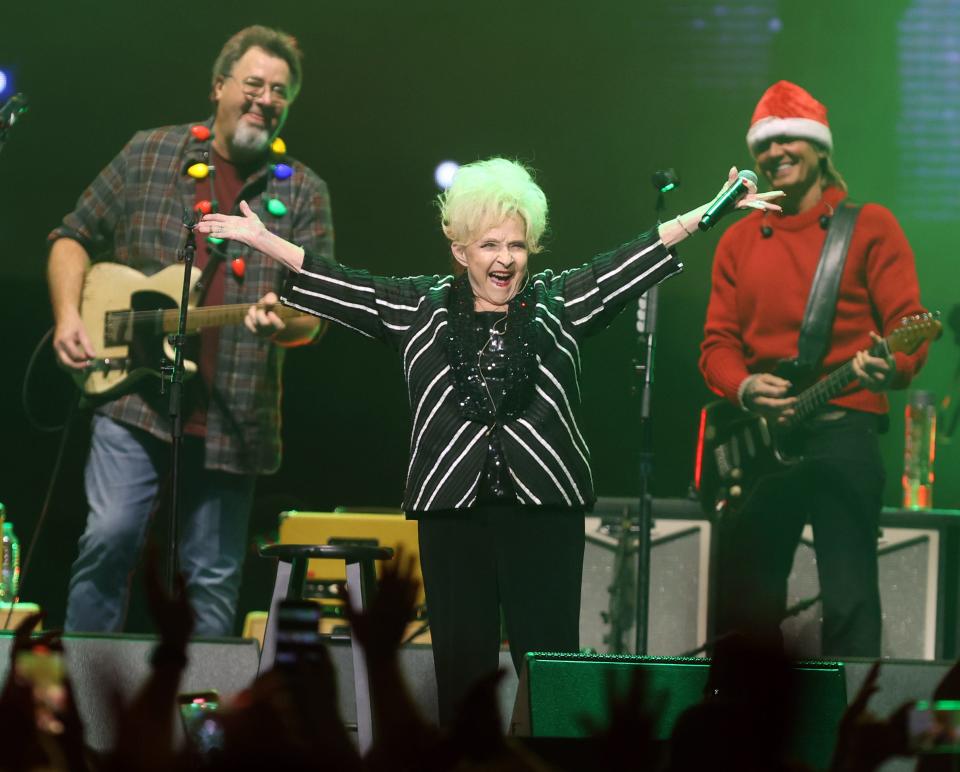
(361, 583)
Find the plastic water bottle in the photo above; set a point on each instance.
(918, 450)
(3, 520)
(9, 564)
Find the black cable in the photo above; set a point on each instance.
(54, 474)
(24, 391)
(797, 608)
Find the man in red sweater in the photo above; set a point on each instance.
(762, 274)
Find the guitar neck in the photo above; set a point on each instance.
(912, 332)
(216, 316)
(811, 400)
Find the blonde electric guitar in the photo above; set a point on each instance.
(129, 317)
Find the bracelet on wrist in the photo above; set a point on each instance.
(682, 226)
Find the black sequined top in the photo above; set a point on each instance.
(493, 358)
(492, 373)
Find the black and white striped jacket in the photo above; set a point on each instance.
(548, 460)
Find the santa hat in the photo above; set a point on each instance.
(786, 110)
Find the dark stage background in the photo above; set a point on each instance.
(595, 98)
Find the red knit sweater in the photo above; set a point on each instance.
(760, 288)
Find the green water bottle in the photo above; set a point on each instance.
(919, 446)
(9, 564)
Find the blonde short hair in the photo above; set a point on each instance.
(485, 193)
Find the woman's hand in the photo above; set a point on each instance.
(752, 200)
(247, 229)
(676, 230)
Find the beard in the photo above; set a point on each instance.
(248, 142)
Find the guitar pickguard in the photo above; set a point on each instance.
(739, 448)
(126, 337)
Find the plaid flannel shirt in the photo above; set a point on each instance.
(132, 213)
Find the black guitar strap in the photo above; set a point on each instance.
(817, 326)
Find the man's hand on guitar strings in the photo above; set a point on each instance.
(766, 394)
(261, 319)
(875, 373)
(72, 344)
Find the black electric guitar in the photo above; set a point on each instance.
(736, 448)
(129, 316)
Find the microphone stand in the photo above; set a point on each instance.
(643, 367)
(174, 375)
(9, 113)
(663, 181)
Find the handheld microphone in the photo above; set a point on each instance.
(727, 200)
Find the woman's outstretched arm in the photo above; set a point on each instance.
(249, 230)
(676, 230)
(381, 307)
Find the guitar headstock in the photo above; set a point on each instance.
(913, 332)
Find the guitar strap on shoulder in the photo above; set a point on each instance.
(817, 326)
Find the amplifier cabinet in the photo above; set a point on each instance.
(677, 619)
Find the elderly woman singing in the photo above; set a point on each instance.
(499, 472)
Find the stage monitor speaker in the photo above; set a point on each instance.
(558, 691)
(102, 666)
(416, 666)
(909, 561)
(679, 580)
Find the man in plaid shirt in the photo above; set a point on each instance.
(132, 213)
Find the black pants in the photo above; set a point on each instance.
(529, 560)
(838, 488)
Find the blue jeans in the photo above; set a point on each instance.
(123, 476)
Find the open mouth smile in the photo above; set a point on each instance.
(782, 168)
